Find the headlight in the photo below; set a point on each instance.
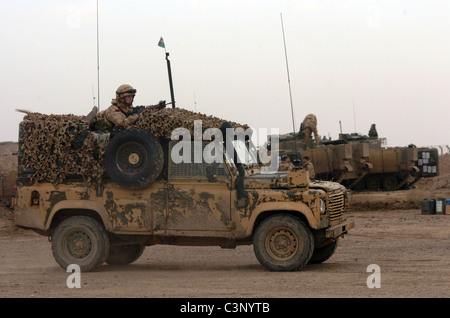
(323, 207)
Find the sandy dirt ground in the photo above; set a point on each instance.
(412, 251)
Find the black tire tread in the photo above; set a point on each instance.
(124, 255)
(153, 168)
(322, 254)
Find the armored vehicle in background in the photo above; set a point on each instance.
(394, 168)
(364, 163)
(342, 162)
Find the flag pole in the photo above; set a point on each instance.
(169, 70)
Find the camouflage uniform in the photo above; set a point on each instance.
(286, 164)
(310, 168)
(309, 127)
(118, 114)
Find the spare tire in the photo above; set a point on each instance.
(134, 159)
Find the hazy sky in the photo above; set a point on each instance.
(358, 62)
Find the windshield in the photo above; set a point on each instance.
(246, 153)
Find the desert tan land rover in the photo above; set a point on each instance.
(290, 220)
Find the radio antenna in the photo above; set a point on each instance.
(289, 83)
(93, 95)
(195, 102)
(288, 75)
(98, 65)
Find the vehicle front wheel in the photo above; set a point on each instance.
(82, 241)
(125, 254)
(283, 243)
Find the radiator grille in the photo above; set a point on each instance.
(336, 206)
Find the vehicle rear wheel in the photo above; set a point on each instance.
(390, 183)
(372, 183)
(321, 254)
(134, 159)
(80, 240)
(125, 254)
(283, 243)
(360, 186)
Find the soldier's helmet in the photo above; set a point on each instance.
(125, 90)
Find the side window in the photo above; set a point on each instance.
(187, 168)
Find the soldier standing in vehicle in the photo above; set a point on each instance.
(309, 127)
(120, 113)
(308, 166)
(286, 164)
(373, 131)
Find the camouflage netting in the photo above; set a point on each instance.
(160, 123)
(48, 142)
(48, 149)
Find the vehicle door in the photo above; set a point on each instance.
(198, 193)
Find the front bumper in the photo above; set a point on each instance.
(338, 230)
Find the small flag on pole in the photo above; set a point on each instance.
(161, 43)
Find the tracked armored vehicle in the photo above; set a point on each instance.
(340, 162)
(364, 163)
(394, 168)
